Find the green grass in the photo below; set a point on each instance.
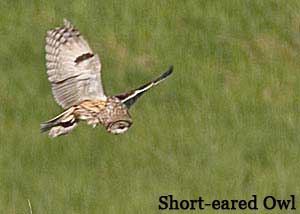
(225, 125)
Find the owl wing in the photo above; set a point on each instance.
(72, 67)
(130, 97)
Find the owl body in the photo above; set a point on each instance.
(101, 111)
(111, 113)
(74, 72)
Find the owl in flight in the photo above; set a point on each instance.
(74, 72)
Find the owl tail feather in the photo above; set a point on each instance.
(46, 126)
(62, 124)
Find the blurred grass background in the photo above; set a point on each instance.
(224, 126)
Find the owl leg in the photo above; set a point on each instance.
(61, 130)
(62, 124)
(93, 122)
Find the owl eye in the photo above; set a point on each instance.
(119, 127)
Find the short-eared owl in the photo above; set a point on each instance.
(74, 72)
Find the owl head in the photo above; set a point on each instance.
(118, 119)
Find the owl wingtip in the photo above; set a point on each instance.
(164, 75)
(171, 68)
(167, 73)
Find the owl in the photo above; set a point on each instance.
(74, 72)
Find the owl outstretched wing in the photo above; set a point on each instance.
(72, 67)
(129, 98)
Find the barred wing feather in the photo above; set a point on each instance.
(72, 68)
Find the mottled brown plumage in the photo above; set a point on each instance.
(74, 73)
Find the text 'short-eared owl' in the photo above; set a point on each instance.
(74, 72)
